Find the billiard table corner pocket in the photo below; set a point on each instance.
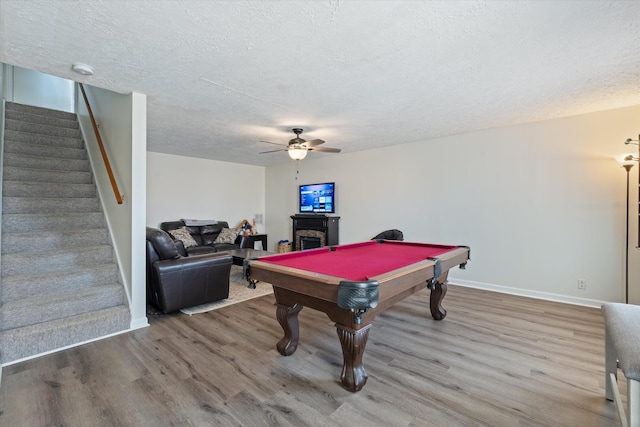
(358, 297)
(437, 272)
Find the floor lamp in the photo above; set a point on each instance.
(627, 166)
(627, 163)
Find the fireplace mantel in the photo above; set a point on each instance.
(324, 227)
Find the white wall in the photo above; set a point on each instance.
(42, 90)
(7, 82)
(541, 205)
(125, 145)
(185, 187)
(138, 199)
(3, 82)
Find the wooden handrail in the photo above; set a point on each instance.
(105, 159)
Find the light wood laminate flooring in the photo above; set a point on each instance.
(495, 360)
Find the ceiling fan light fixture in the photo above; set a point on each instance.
(298, 147)
(297, 153)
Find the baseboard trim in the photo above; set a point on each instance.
(142, 322)
(528, 293)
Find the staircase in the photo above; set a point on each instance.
(59, 284)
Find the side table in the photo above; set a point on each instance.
(249, 241)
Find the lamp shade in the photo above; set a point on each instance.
(297, 153)
(627, 160)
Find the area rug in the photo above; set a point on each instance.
(238, 292)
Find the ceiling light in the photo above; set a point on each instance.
(84, 69)
(297, 153)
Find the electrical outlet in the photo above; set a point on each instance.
(582, 284)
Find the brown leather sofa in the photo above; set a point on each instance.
(175, 281)
(205, 237)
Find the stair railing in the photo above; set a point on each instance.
(105, 158)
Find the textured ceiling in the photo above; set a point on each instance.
(222, 75)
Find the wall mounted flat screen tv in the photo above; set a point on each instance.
(318, 198)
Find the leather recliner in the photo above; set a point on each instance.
(175, 281)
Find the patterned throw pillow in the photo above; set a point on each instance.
(183, 235)
(227, 235)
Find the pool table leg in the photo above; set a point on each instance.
(288, 319)
(437, 294)
(353, 342)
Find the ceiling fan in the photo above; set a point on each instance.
(298, 147)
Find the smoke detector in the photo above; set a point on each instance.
(84, 69)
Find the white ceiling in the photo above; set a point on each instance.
(222, 75)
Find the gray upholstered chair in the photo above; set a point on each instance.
(622, 351)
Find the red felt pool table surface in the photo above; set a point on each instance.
(359, 261)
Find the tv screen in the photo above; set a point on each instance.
(318, 198)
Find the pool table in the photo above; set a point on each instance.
(317, 278)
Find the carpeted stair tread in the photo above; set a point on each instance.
(47, 189)
(29, 149)
(18, 173)
(30, 205)
(50, 240)
(42, 129)
(42, 119)
(37, 139)
(43, 337)
(32, 285)
(49, 163)
(16, 314)
(21, 126)
(21, 223)
(30, 109)
(55, 260)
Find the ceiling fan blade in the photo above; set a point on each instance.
(272, 151)
(313, 142)
(325, 149)
(274, 143)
